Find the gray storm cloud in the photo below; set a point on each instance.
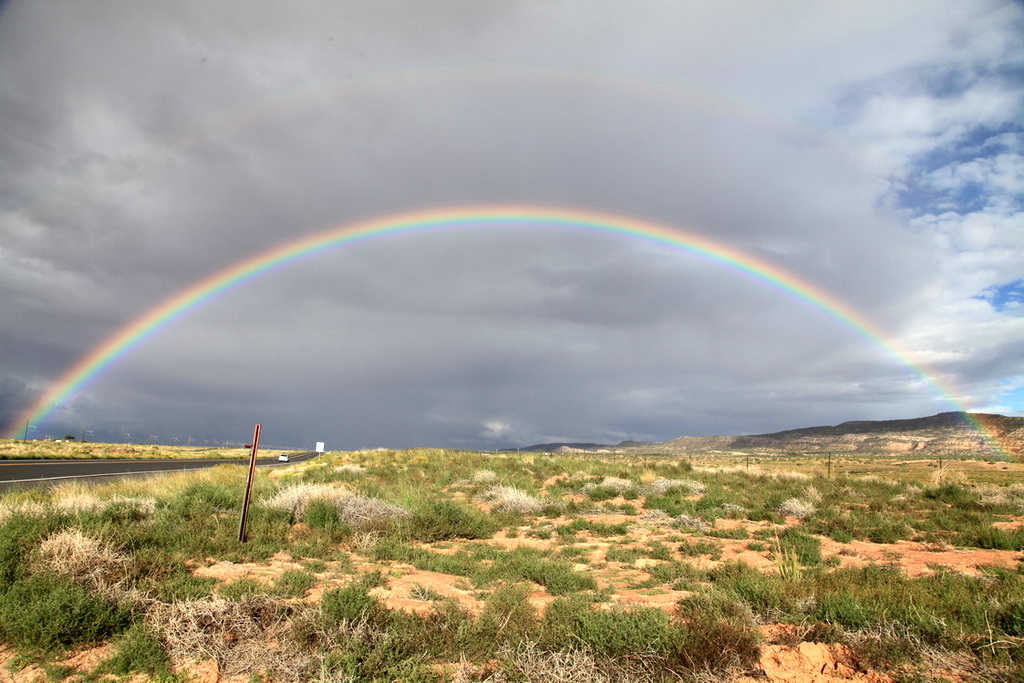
(867, 150)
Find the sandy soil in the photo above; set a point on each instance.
(411, 589)
(782, 661)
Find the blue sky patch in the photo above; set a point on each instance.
(921, 194)
(1007, 298)
(1014, 399)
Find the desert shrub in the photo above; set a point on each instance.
(82, 558)
(20, 509)
(574, 620)
(860, 524)
(440, 520)
(700, 546)
(931, 607)
(737, 533)
(75, 498)
(356, 639)
(954, 494)
(127, 510)
(295, 582)
(296, 498)
(241, 588)
(812, 495)
(807, 548)
(610, 487)
(137, 650)
(483, 477)
(19, 536)
(839, 527)
(456, 564)
(508, 615)
(447, 632)
(624, 555)
(658, 551)
(1010, 618)
(886, 646)
(352, 603)
(842, 609)
(177, 583)
(989, 537)
(322, 514)
(889, 530)
(718, 635)
(691, 522)
(675, 501)
(768, 595)
(733, 511)
(617, 484)
(359, 512)
(234, 633)
(999, 499)
(620, 632)
(677, 575)
(48, 613)
(765, 514)
(527, 661)
(203, 498)
(530, 564)
(690, 487)
(796, 507)
(595, 528)
(511, 499)
(370, 514)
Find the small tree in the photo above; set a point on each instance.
(69, 437)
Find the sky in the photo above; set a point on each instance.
(870, 149)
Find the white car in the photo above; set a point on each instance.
(283, 457)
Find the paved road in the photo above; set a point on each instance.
(48, 472)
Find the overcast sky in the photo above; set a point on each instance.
(871, 148)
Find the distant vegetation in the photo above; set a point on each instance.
(11, 449)
(434, 565)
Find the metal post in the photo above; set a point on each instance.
(248, 486)
(829, 465)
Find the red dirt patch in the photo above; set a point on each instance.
(264, 573)
(399, 593)
(918, 559)
(812, 663)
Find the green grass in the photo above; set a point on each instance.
(805, 547)
(442, 520)
(50, 614)
(294, 582)
(887, 618)
(616, 632)
(529, 564)
(137, 651)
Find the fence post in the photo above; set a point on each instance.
(248, 486)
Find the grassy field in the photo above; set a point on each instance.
(434, 565)
(12, 449)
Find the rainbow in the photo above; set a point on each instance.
(175, 307)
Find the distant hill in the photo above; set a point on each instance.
(565, 447)
(951, 433)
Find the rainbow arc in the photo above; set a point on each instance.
(167, 312)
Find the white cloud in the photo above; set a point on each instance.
(496, 430)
